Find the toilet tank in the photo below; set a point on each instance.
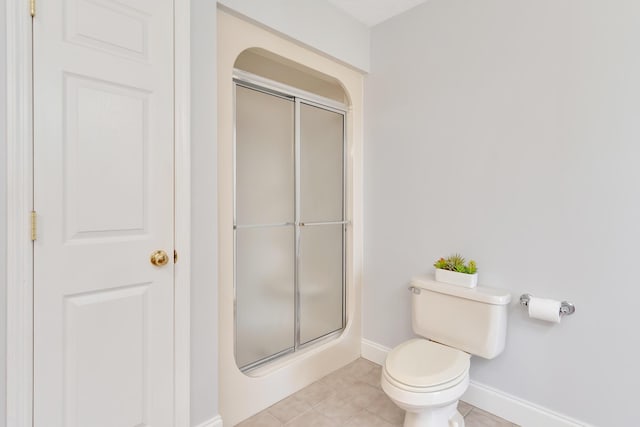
(470, 319)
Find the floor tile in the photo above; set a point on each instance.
(312, 418)
(263, 419)
(367, 419)
(337, 409)
(357, 369)
(337, 380)
(361, 394)
(315, 393)
(289, 408)
(479, 418)
(384, 408)
(373, 376)
(464, 408)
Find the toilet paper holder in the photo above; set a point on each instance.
(566, 308)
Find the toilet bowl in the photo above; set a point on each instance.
(427, 376)
(426, 379)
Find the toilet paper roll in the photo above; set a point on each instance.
(544, 309)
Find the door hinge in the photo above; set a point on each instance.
(175, 256)
(32, 7)
(34, 225)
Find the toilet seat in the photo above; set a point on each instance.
(420, 365)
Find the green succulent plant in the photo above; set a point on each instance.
(456, 262)
(472, 267)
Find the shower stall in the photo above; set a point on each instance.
(289, 219)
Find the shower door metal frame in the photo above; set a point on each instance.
(299, 97)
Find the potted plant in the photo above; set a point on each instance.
(456, 271)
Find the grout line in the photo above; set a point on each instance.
(296, 417)
(471, 408)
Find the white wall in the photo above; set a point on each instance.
(317, 24)
(509, 131)
(204, 237)
(3, 215)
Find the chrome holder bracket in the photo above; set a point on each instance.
(415, 290)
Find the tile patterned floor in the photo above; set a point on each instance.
(351, 397)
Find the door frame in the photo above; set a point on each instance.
(19, 274)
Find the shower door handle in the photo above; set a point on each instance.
(310, 224)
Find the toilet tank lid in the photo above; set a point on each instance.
(479, 293)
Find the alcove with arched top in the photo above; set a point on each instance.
(290, 219)
(276, 68)
(277, 202)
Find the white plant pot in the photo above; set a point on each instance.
(455, 278)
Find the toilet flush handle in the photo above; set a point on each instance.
(415, 290)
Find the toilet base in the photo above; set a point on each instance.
(434, 408)
(443, 416)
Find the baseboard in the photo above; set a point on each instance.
(373, 351)
(213, 422)
(504, 405)
(514, 409)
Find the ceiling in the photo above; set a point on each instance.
(372, 12)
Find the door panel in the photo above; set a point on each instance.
(320, 265)
(321, 164)
(264, 158)
(90, 359)
(320, 278)
(265, 180)
(92, 24)
(103, 191)
(102, 155)
(265, 296)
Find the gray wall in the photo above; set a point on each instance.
(204, 214)
(509, 131)
(3, 215)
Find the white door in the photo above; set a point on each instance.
(103, 192)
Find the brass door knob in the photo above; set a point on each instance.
(159, 258)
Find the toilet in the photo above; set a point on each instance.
(427, 376)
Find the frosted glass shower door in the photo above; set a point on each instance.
(289, 222)
(264, 226)
(321, 251)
